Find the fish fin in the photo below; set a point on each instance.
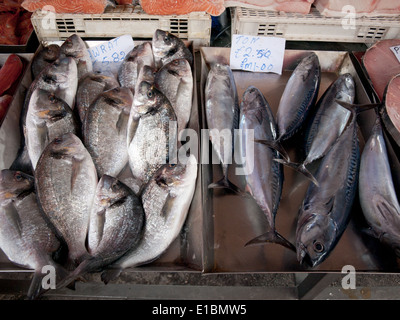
(13, 217)
(110, 274)
(276, 145)
(69, 280)
(76, 168)
(301, 168)
(224, 183)
(370, 232)
(358, 108)
(35, 287)
(271, 237)
(168, 204)
(122, 123)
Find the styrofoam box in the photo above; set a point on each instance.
(124, 19)
(314, 26)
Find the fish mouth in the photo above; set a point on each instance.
(304, 258)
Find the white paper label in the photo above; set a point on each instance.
(396, 51)
(257, 53)
(107, 57)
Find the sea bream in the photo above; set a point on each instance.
(263, 175)
(166, 201)
(222, 114)
(175, 81)
(105, 130)
(66, 181)
(48, 117)
(325, 211)
(44, 57)
(152, 134)
(141, 55)
(89, 88)
(59, 78)
(76, 48)
(116, 225)
(378, 198)
(25, 237)
(168, 47)
(298, 97)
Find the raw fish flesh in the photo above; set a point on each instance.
(167, 7)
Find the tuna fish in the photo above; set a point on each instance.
(105, 130)
(222, 114)
(263, 175)
(166, 201)
(66, 181)
(25, 237)
(378, 198)
(299, 96)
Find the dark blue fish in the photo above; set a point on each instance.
(263, 175)
(378, 199)
(325, 211)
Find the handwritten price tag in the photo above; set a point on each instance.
(257, 54)
(396, 51)
(107, 57)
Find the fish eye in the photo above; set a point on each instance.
(18, 177)
(57, 140)
(318, 246)
(150, 94)
(172, 165)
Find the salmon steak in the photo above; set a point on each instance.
(72, 6)
(166, 7)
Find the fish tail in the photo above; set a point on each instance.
(224, 183)
(276, 145)
(81, 269)
(358, 108)
(110, 274)
(301, 168)
(272, 237)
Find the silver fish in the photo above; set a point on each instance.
(48, 117)
(378, 198)
(166, 201)
(141, 55)
(168, 47)
(105, 130)
(76, 48)
(325, 211)
(299, 96)
(59, 78)
(89, 88)
(116, 226)
(46, 56)
(66, 181)
(146, 73)
(175, 81)
(25, 237)
(263, 175)
(222, 114)
(152, 133)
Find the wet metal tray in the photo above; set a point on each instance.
(234, 220)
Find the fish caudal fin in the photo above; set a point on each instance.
(110, 274)
(272, 237)
(358, 108)
(224, 183)
(276, 145)
(301, 168)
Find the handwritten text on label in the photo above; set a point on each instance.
(257, 54)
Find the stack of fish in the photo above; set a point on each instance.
(329, 128)
(84, 134)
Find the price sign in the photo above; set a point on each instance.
(257, 53)
(396, 51)
(107, 57)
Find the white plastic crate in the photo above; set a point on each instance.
(114, 22)
(314, 26)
